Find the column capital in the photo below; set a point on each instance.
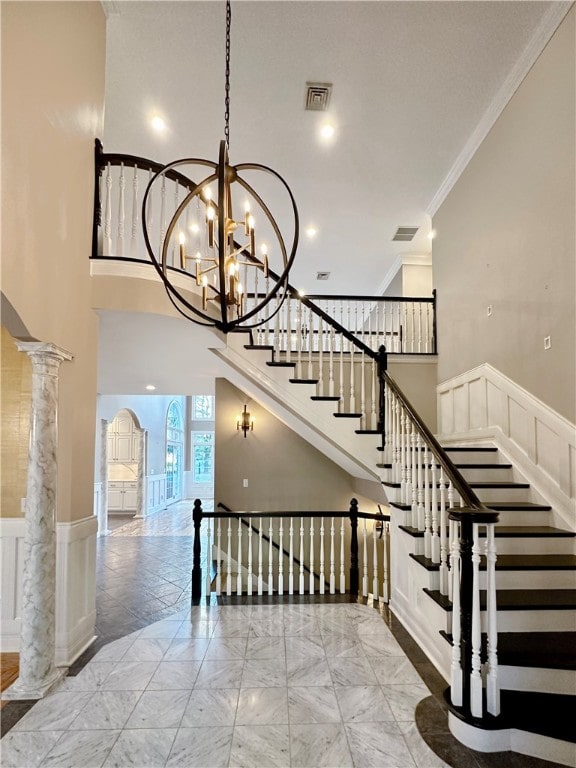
(41, 350)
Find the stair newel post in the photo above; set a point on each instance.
(97, 213)
(382, 363)
(427, 509)
(354, 571)
(466, 602)
(456, 665)
(197, 555)
(434, 336)
(492, 684)
(476, 633)
(364, 561)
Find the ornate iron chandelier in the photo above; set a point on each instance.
(237, 274)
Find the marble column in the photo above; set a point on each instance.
(38, 629)
(141, 477)
(103, 529)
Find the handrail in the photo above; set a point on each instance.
(470, 499)
(353, 297)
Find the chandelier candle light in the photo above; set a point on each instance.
(216, 249)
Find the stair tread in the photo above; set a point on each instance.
(348, 415)
(471, 448)
(303, 381)
(497, 506)
(521, 562)
(327, 398)
(547, 714)
(519, 599)
(280, 364)
(368, 431)
(268, 347)
(529, 531)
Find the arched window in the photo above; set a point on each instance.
(174, 450)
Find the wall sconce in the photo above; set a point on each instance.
(244, 422)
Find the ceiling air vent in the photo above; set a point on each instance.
(405, 234)
(322, 275)
(318, 96)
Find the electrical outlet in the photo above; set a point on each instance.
(489, 310)
(547, 342)
(245, 483)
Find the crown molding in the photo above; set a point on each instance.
(549, 23)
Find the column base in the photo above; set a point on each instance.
(21, 690)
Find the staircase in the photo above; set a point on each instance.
(535, 573)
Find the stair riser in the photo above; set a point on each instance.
(534, 546)
(532, 580)
(475, 457)
(562, 681)
(489, 474)
(534, 621)
(523, 517)
(502, 494)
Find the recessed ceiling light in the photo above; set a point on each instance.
(158, 123)
(311, 232)
(150, 387)
(432, 234)
(327, 131)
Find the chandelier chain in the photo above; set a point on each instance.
(227, 88)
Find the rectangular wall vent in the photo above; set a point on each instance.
(318, 96)
(405, 234)
(322, 275)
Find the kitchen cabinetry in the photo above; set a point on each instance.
(122, 495)
(122, 439)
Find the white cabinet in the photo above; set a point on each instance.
(122, 495)
(123, 439)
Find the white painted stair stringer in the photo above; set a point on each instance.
(291, 404)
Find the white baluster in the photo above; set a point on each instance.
(121, 212)
(456, 667)
(277, 331)
(476, 672)
(420, 326)
(320, 385)
(299, 340)
(108, 213)
(270, 559)
(375, 560)
(405, 484)
(291, 560)
(420, 480)
(342, 574)
(288, 329)
(373, 414)
(427, 510)
(492, 684)
(135, 213)
(250, 565)
(443, 536)
(311, 555)
(385, 586)
(260, 571)
(415, 456)
(301, 582)
(363, 424)
(162, 211)
(352, 390)
(332, 560)
(413, 327)
(175, 241)
(451, 533)
(364, 563)
(239, 574)
(321, 588)
(219, 557)
(310, 373)
(331, 342)
(281, 558)
(434, 505)
(399, 342)
(229, 559)
(149, 214)
(267, 313)
(208, 560)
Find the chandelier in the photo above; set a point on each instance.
(238, 265)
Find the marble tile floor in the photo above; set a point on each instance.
(300, 684)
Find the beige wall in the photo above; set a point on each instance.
(506, 238)
(16, 377)
(53, 60)
(284, 472)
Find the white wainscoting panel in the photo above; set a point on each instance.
(484, 405)
(75, 585)
(156, 493)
